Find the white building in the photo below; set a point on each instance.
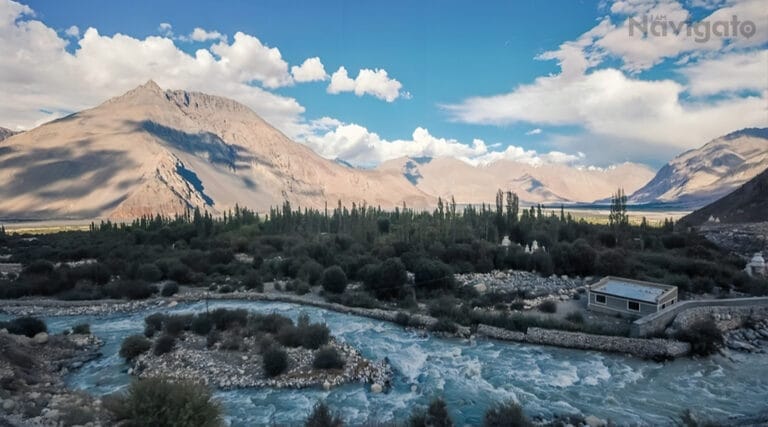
(756, 266)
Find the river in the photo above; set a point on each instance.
(468, 375)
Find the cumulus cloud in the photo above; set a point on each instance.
(72, 31)
(44, 76)
(376, 83)
(359, 146)
(165, 29)
(614, 107)
(202, 35)
(310, 70)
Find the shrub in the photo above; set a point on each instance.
(300, 287)
(444, 325)
(169, 289)
(387, 280)
(334, 280)
(354, 299)
(315, 336)
(508, 414)
(82, 329)
(155, 321)
(232, 342)
(436, 415)
(433, 275)
(575, 317)
(161, 402)
(311, 272)
(179, 272)
(289, 336)
(225, 289)
(149, 273)
(164, 344)
(27, 326)
(275, 361)
(130, 289)
(253, 281)
(328, 358)
(705, 337)
(548, 306)
(225, 318)
(321, 416)
(402, 319)
(212, 338)
(201, 324)
(133, 346)
(175, 325)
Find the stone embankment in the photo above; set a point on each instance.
(640, 347)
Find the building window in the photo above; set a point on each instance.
(600, 299)
(633, 306)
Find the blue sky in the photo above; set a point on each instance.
(496, 73)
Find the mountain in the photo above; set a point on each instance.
(701, 176)
(553, 183)
(749, 203)
(6, 133)
(153, 151)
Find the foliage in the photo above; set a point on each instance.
(27, 326)
(322, 416)
(444, 325)
(81, 329)
(149, 273)
(275, 361)
(508, 414)
(164, 344)
(165, 403)
(436, 415)
(133, 346)
(704, 336)
(334, 279)
(201, 324)
(169, 289)
(328, 358)
(548, 306)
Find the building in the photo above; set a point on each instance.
(630, 297)
(756, 266)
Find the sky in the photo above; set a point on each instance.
(558, 81)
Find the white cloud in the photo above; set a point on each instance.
(376, 83)
(165, 29)
(309, 71)
(728, 73)
(359, 146)
(201, 35)
(536, 131)
(44, 75)
(72, 31)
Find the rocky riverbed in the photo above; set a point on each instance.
(32, 390)
(527, 285)
(228, 369)
(752, 337)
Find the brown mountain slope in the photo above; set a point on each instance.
(153, 151)
(6, 133)
(749, 203)
(549, 183)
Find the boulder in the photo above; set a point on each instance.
(40, 338)
(377, 388)
(8, 405)
(593, 421)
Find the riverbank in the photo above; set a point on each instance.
(32, 387)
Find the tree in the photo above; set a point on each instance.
(322, 416)
(618, 218)
(334, 280)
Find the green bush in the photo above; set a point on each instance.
(436, 415)
(334, 280)
(433, 275)
(81, 329)
(225, 318)
(27, 326)
(386, 281)
(444, 325)
(508, 414)
(402, 319)
(169, 289)
(175, 325)
(704, 336)
(314, 336)
(321, 416)
(133, 346)
(149, 273)
(164, 344)
(328, 358)
(274, 361)
(165, 403)
(253, 281)
(289, 336)
(311, 272)
(548, 306)
(201, 324)
(575, 317)
(155, 321)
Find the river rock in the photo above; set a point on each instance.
(593, 421)
(40, 338)
(326, 385)
(377, 388)
(8, 405)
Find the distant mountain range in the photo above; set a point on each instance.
(749, 203)
(153, 151)
(161, 151)
(698, 177)
(546, 183)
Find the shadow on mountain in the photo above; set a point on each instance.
(202, 144)
(192, 178)
(39, 169)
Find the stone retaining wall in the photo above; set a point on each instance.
(640, 347)
(656, 323)
(726, 318)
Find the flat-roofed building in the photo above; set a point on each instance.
(630, 297)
